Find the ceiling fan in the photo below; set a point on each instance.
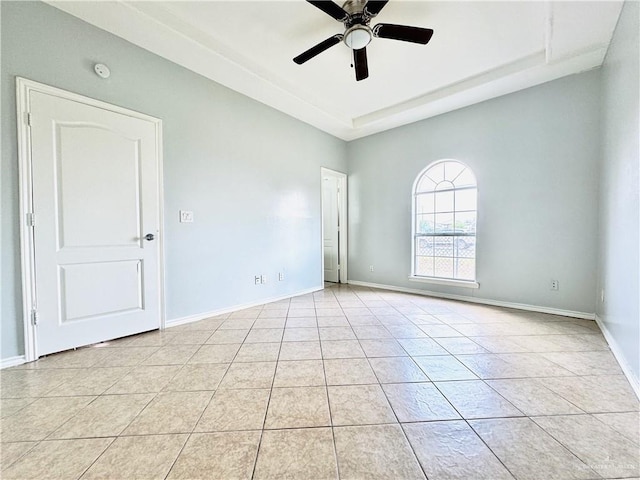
(356, 16)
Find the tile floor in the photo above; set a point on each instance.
(349, 383)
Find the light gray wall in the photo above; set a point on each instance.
(619, 189)
(535, 155)
(250, 174)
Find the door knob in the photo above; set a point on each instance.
(149, 236)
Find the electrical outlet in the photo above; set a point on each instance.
(258, 279)
(186, 216)
(263, 279)
(280, 276)
(371, 268)
(555, 285)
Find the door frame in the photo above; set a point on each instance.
(342, 218)
(24, 88)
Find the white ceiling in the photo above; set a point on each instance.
(479, 50)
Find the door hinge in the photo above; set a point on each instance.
(29, 119)
(34, 316)
(31, 219)
(338, 267)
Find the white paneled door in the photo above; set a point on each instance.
(96, 208)
(331, 228)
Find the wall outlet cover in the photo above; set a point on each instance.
(186, 216)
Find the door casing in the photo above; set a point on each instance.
(24, 88)
(344, 231)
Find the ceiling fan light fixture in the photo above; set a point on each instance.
(358, 37)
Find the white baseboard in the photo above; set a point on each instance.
(234, 308)
(12, 361)
(615, 349)
(484, 301)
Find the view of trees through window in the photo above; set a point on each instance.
(445, 212)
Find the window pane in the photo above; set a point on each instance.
(452, 170)
(444, 201)
(465, 222)
(465, 247)
(465, 268)
(424, 266)
(466, 199)
(425, 223)
(444, 222)
(442, 246)
(425, 203)
(444, 267)
(436, 173)
(425, 184)
(465, 179)
(424, 246)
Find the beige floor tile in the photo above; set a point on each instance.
(91, 381)
(300, 351)
(33, 382)
(205, 376)
(397, 370)
(585, 436)
(170, 412)
(192, 337)
(9, 406)
(336, 333)
(157, 338)
(342, 349)
(38, 419)
(419, 402)
(628, 424)
(460, 345)
(357, 320)
(226, 455)
(421, 346)
(359, 405)
(297, 312)
(145, 379)
(172, 355)
(219, 353)
(340, 321)
(328, 312)
(258, 352)
(228, 336)
(371, 332)
(238, 323)
(81, 358)
(57, 459)
(297, 454)
(301, 335)
(586, 363)
(498, 344)
(436, 331)
(533, 365)
(299, 373)
(475, 399)
(298, 407)
(406, 331)
(383, 348)
(209, 324)
(444, 367)
(264, 335)
(249, 375)
(12, 452)
(528, 451)
(349, 371)
(302, 322)
(242, 409)
(271, 322)
(452, 451)
(126, 356)
(375, 452)
(531, 397)
(106, 416)
(595, 394)
(144, 457)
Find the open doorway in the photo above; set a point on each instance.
(334, 226)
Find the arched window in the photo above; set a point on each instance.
(444, 222)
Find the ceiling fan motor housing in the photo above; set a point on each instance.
(358, 34)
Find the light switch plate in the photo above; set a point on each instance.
(186, 216)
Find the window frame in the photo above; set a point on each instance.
(414, 235)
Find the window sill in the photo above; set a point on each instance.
(444, 281)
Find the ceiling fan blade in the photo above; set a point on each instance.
(330, 8)
(318, 49)
(373, 7)
(404, 33)
(360, 63)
